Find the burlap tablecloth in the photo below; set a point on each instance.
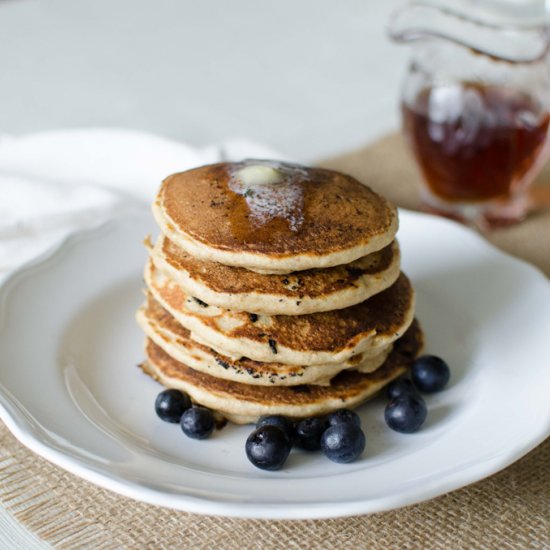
(508, 510)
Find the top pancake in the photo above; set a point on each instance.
(293, 219)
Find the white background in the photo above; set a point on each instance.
(308, 77)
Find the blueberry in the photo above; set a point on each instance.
(343, 442)
(197, 423)
(171, 404)
(430, 373)
(282, 422)
(344, 416)
(308, 432)
(405, 414)
(401, 386)
(268, 447)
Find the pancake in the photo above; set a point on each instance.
(314, 339)
(175, 340)
(298, 293)
(243, 403)
(273, 217)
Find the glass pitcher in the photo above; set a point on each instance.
(475, 105)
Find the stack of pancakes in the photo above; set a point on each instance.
(275, 289)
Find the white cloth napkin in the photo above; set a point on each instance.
(54, 183)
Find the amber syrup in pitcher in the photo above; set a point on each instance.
(475, 142)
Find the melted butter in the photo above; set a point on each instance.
(255, 175)
(267, 199)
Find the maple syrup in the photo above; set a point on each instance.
(475, 142)
(266, 201)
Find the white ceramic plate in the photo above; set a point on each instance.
(71, 392)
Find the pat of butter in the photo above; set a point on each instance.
(257, 174)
